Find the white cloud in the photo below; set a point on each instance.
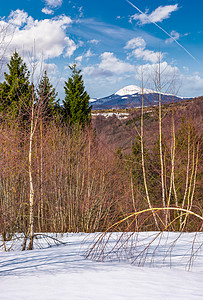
(138, 45)
(192, 85)
(135, 43)
(93, 42)
(40, 67)
(79, 58)
(81, 11)
(47, 36)
(89, 54)
(51, 4)
(158, 15)
(170, 76)
(47, 11)
(18, 17)
(112, 64)
(173, 81)
(153, 69)
(89, 70)
(175, 36)
(71, 47)
(186, 69)
(147, 55)
(50, 68)
(109, 66)
(80, 44)
(54, 3)
(111, 72)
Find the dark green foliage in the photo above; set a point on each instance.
(119, 153)
(137, 162)
(76, 103)
(16, 91)
(47, 95)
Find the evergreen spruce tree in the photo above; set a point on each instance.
(16, 91)
(47, 95)
(76, 103)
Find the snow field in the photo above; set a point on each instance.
(63, 271)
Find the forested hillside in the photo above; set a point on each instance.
(121, 132)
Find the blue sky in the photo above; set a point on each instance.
(109, 40)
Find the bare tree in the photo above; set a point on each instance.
(6, 35)
(35, 110)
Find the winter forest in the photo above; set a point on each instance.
(58, 176)
(87, 196)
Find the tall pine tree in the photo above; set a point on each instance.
(16, 91)
(76, 103)
(47, 95)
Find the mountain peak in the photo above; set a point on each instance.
(131, 90)
(128, 90)
(129, 96)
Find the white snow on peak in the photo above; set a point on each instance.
(132, 89)
(93, 100)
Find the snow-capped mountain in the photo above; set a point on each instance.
(131, 96)
(131, 90)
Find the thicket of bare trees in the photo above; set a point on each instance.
(76, 185)
(60, 178)
(167, 181)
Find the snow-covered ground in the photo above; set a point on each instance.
(118, 115)
(63, 271)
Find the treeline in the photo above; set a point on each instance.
(18, 92)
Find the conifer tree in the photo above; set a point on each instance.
(47, 95)
(15, 91)
(76, 103)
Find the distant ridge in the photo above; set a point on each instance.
(130, 96)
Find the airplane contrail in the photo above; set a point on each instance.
(163, 30)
